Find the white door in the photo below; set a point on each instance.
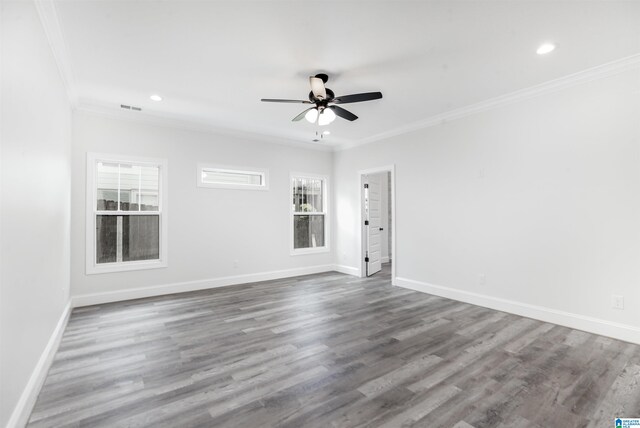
(372, 205)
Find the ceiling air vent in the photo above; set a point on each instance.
(126, 107)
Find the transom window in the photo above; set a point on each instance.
(126, 228)
(226, 177)
(309, 213)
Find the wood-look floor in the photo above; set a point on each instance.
(330, 350)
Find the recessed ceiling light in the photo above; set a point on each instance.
(155, 98)
(545, 48)
(326, 132)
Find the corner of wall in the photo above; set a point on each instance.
(24, 406)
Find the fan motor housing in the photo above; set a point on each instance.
(330, 96)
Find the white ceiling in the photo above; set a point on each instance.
(213, 61)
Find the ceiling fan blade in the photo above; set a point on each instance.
(356, 98)
(317, 87)
(273, 100)
(301, 115)
(345, 114)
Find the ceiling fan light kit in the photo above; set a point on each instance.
(326, 117)
(312, 115)
(325, 110)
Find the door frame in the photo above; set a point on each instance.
(361, 230)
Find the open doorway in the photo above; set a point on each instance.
(378, 219)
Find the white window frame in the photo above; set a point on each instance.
(237, 170)
(325, 212)
(91, 213)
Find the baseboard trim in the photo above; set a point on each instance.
(385, 260)
(181, 287)
(349, 270)
(625, 332)
(23, 408)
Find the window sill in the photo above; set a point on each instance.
(303, 251)
(125, 267)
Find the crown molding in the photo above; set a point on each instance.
(49, 18)
(53, 31)
(595, 73)
(172, 122)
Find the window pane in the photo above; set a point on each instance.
(140, 237)
(149, 187)
(106, 238)
(129, 187)
(218, 176)
(307, 195)
(107, 186)
(124, 238)
(308, 231)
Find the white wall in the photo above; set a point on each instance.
(35, 198)
(541, 196)
(208, 228)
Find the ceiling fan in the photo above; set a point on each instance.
(325, 109)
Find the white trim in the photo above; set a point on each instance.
(124, 266)
(53, 31)
(150, 117)
(203, 284)
(48, 16)
(160, 119)
(385, 259)
(24, 406)
(602, 327)
(90, 242)
(598, 72)
(325, 212)
(314, 250)
(392, 170)
(57, 42)
(264, 173)
(349, 270)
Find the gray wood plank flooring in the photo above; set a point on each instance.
(330, 350)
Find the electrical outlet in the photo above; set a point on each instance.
(617, 301)
(482, 279)
(236, 264)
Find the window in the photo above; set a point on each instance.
(309, 214)
(126, 213)
(227, 177)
